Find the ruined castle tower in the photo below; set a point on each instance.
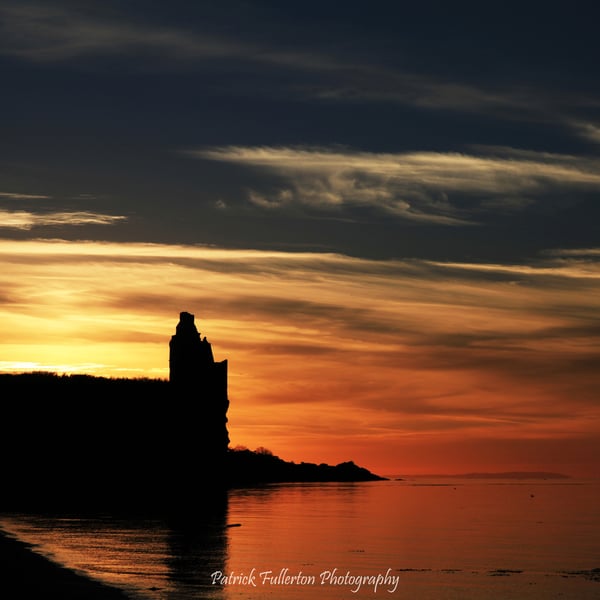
(200, 390)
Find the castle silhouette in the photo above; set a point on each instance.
(194, 372)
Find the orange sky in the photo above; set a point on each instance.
(404, 366)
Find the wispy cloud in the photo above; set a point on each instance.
(19, 196)
(574, 252)
(36, 31)
(39, 32)
(374, 83)
(28, 220)
(427, 187)
(586, 129)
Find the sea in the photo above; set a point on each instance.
(410, 538)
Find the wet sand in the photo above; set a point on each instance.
(28, 575)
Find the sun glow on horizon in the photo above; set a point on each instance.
(399, 365)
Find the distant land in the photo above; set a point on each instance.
(500, 475)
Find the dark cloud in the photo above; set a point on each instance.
(99, 98)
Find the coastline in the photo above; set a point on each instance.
(30, 575)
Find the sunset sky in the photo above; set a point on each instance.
(385, 216)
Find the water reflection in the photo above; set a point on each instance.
(197, 547)
(532, 539)
(151, 558)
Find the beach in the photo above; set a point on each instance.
(29, 575)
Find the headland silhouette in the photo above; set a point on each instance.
(77, 442)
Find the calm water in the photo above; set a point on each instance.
(415, 539)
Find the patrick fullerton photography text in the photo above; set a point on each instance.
(377, 582)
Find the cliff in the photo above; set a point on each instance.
(79, 442)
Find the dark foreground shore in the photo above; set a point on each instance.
(26, 575)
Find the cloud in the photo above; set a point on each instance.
(17, 196)
(42, 33)
(365, 82)
(423, 187)
(577, 269)
(573, 252)
(333, 302)
(28, 220)
(380, 351)
(39, 32)
(55, 33)
(586, 130)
